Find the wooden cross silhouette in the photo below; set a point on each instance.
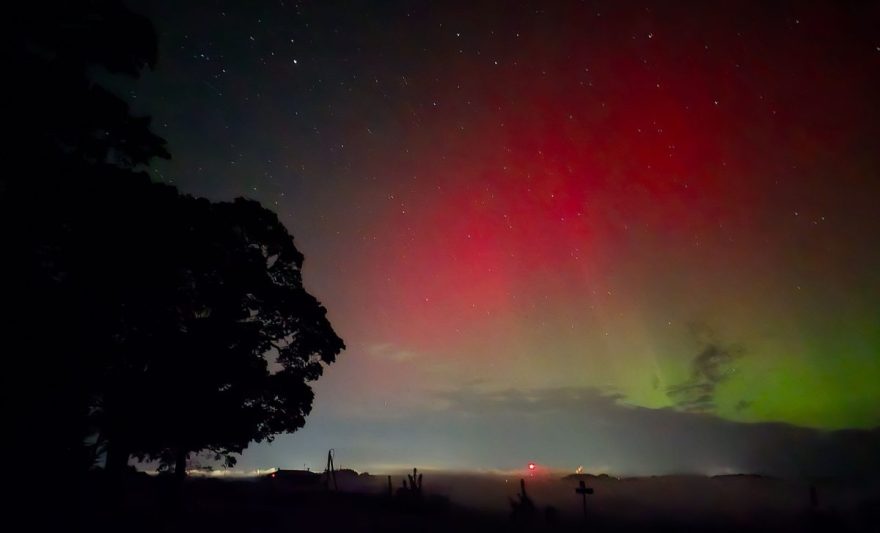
(583, 490)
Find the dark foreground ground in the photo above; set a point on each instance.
(469, 503)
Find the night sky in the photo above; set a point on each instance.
(635, 237)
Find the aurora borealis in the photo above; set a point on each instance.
(547, 230)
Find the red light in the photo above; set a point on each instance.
(272, 474)
(531, 466)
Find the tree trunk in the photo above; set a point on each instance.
(177, 487)
(180, 464)
(115, 467)
(117, 459)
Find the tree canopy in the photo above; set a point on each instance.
(238, 344)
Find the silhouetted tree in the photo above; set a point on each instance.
(69, 138)
(156, 323)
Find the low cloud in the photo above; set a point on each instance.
(712, 366)
(475, 427)
(524, 402)
(389, 351)
(589, 426)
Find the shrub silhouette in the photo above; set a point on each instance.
(522, 508)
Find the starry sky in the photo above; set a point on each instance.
(554, 231)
